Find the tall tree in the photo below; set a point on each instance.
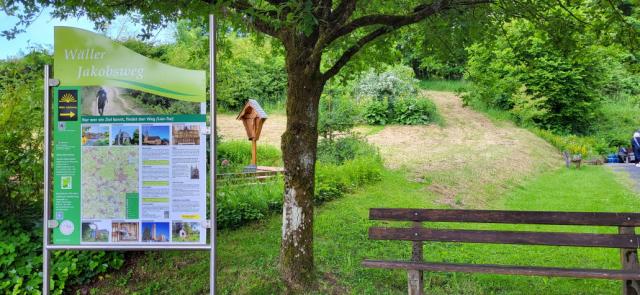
(319, 37)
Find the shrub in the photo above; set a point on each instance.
(390, 97)
(396, 82)
(337, 114)
(343, 149)
(333, 181)
(377, 112)
(251, 71)
(240, 204)
(411, 111)
(585, 145)
(21, 261)
(551, 85)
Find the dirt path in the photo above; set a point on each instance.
(116, 105)
(469, 160)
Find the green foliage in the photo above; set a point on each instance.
(22, 132)
(334, 181)
(390, 97)
(584, 145)
(237, 154)
(457, 86)
(250, 71)
(155, 104)
(405, 111)
(338, 114)
(555, 84)
(394, 83)
(619, 120)
(21, 261)
(411, 111)
(342, 149)
(436, 49)
(239, 204)
(376, 112)
(21, 113)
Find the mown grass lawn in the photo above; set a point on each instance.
(247, 258)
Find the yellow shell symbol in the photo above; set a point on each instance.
(67, 98)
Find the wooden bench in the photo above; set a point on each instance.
(626, 240)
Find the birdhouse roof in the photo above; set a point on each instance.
(254, 105)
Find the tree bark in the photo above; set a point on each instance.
(299, 145)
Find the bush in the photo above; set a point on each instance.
(21, 261)
(396, 82)
(585, 145)
(333, 181)
(377, 112)
(337, 114)
(250, 71)
(344, 149)
(411, 111)
(544, 83)
(240, 204)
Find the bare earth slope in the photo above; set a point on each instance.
(470, 159)
(468, 162)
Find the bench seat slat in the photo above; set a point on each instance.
(506, 269)
(506, 237)
(512, 217)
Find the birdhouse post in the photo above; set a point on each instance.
(253, 117)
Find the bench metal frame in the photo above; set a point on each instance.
(626, 240)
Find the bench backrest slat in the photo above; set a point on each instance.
(506, 237)
(511, 217)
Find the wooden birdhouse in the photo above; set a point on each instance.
(253, 117)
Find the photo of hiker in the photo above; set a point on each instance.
(101, 97)
(108, 100)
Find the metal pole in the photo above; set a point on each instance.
(47, 169)
(212, 151)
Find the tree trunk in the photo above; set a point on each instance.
(299, 145)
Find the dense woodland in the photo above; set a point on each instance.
(567, 70)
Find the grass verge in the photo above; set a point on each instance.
(444, 85)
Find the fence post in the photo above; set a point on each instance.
(416, 282)
(629, 259)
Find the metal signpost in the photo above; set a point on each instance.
(145, 213)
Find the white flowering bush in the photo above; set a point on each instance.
(394, 83)
(391, 97)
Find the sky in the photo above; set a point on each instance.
(40, 33)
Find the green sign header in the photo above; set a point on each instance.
(83, 58)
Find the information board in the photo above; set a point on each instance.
(129, 150)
